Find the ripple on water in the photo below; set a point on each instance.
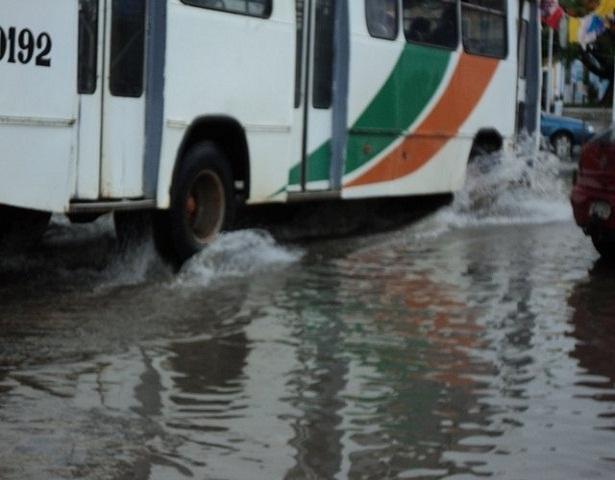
(474, 352)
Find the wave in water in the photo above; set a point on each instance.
(233, 254)
(236, 254)
(519, 187)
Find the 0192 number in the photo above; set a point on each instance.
(23, 46)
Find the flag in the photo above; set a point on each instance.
(551, 13)
(586, 29)
(579, 8)
(590, 28)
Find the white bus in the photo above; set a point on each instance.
(189, 107)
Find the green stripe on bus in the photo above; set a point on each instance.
(317, 168)
(413, 82)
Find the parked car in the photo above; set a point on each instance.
(593, 192)
(564, 133)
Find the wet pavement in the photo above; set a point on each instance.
(475, 342)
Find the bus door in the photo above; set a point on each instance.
(123, 118)
(321, 107)
(112, 100)
(89, 89)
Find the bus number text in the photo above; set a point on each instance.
(23, 46)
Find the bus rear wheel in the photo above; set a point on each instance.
(202, 204)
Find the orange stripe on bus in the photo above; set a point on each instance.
(467, 85)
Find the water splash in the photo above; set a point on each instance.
(88, 255)
(236, 254)
(136, 264)
(507, 188)
(501, 189)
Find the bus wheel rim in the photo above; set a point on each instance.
(204, 207)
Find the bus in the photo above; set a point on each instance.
(189, 108)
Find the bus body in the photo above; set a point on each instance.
(100, 100)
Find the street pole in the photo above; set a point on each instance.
(549, 87)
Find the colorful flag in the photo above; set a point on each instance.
(551, 13)
(579, 8)
(591, 27)
(586, 29)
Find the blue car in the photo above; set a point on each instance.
(563, 133)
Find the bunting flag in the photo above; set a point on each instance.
(586, 29)
(551, 13)
(579, 8)
(590, 27)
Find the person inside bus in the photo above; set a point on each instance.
(445, 33)
(420, 30)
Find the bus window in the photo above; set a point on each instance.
(127, 48)
(431, 21)
(382, 18)
(323, 54)
(254, 8)
(88, 46)
(524, 25)
(483, 23)
(299, 5)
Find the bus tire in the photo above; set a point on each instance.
(485, 145)
(202, 204)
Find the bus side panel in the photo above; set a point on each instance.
(36, 166)
(38, 102)
(444, 170)
(497, 107)
(496, 110)
(443, 99)
(238, 66)
(375, 119)
(402, 84)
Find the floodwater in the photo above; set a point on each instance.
(478, 341)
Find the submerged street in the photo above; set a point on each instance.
(478, 341)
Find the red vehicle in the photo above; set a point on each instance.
(593, 192)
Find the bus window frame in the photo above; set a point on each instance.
(524, 29)
(503, 13)
(437, 45)
(87, 62)
(379, 37)
(322, 92)
(269, 10)
(300, 46)
(118, 84)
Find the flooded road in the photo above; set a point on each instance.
(476, 342)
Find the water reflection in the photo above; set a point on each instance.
(316, 384)
(412, 387)
(593, 327)
(479, 353)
